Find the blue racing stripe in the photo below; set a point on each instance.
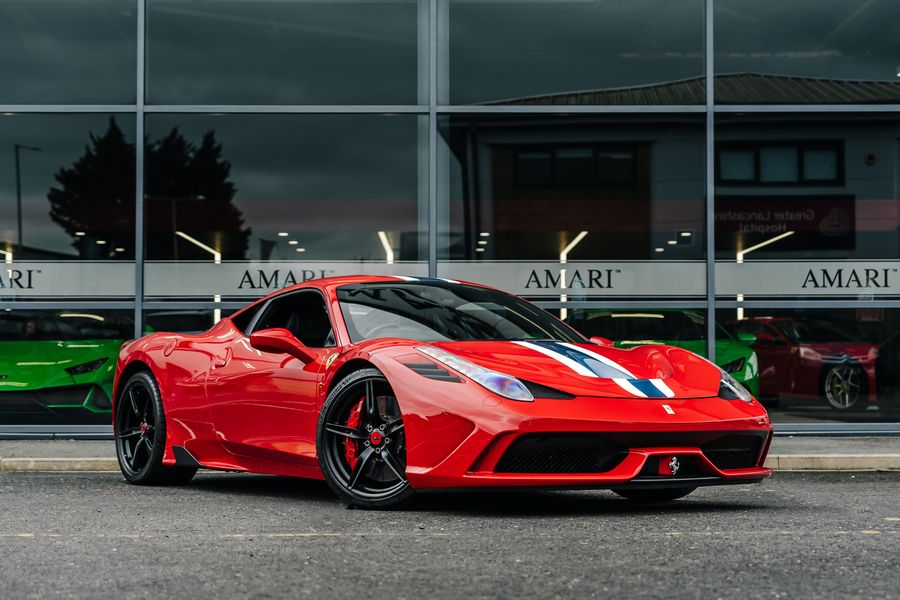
(592, 364)
(646, 386)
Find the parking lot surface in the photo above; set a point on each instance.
(90, 535)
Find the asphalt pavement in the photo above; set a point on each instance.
(90, 535)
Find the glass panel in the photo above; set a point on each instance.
(806, 51)
(572, 52)
(628, 328)
(778, 165)
(819, 365)
(737, 165)
(58, 365)
(68, 51)
(820, 165)
(619, 199)
(823, 217)
(277, 199)
(67, 205)
(287, 52)
(188, 320)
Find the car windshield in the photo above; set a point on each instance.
(444, 311)
(807, 331)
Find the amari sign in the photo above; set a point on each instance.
(203, 280)
(809, 278)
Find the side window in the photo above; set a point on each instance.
(242, 321)
(303, 314)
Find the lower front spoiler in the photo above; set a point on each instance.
(631, 472)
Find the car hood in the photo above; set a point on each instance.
(654, 371)
(37, 364)
(840, 348)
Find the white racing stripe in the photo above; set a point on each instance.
(575, 366)
(606, 361)
(405, 278)
(661, 386)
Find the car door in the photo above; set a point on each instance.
(774, 352)
(263, 403)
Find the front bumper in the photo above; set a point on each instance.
(622, 459)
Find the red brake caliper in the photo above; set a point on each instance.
(350, 449)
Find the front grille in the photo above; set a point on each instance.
(733, 452)
(560, 453)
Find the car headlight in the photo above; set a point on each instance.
(734, 366)
(499, 383)
(730, 389)
(86, 367)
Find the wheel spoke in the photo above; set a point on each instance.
(371, 406)
(141, 444)
(133, 401)
(343, 430)
(392, 464)
(361, 463)
(130, 432)
(394, 427)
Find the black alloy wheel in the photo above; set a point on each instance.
(140, 431)
(361, 442)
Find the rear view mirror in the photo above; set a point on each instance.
(278, 340)
(601, 341)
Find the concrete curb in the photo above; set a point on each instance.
(834, 462)
(779, 462)
(58, 464)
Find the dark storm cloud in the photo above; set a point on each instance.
(282, 52)
(503, 50)
(59, 52)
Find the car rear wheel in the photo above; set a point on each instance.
(361, 442)
(661, 495)
(843, 386)
(140, 430)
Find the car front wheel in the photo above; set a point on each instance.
(361, 442)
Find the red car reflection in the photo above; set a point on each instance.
(808, 358)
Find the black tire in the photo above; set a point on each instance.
(361, 442)
(654, 496)
(140, 432)
(843, 386)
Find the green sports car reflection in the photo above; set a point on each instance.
(58, 367)
(682, 328)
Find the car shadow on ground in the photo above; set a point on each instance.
(492, 503)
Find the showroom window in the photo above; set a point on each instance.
(718, 175)
(571, 52)
(574, 207)
(284, 52)
(806, 52)
(237, 206)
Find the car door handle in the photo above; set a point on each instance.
(221, 361)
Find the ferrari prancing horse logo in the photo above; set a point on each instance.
(674, 465)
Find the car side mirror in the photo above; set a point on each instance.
(278, 340)
(747, 337)
(601, 341)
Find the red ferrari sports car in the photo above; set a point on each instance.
(385, 386)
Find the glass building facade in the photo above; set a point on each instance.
(723, 176)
